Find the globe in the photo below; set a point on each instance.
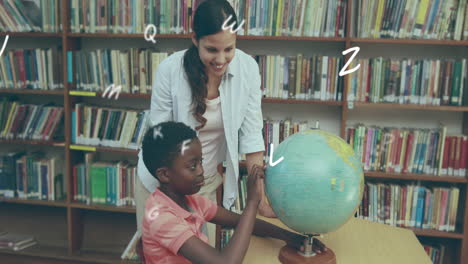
(318, 185)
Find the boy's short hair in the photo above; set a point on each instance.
(162, 143)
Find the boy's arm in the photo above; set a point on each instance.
(198, 252)
(262, 228)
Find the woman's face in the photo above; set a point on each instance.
(216, 51)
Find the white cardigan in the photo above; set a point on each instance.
(240, 95)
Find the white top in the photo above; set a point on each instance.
(212, 137)
(240, 96)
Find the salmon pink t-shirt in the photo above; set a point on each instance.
(166, 226)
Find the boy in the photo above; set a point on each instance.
(175, 214)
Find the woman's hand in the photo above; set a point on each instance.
(254, 184)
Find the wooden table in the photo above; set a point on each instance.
(357, 242)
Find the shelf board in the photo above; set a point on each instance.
(31, 91)
(32, 34)
(401, 176)
(294, 101)
(126, 35)
(99, 94)
(293, 38)
(109, 208)
(410, 41)
(34, 202)
(61, 253)
(411, 106)
(102, 257)
(103, 149)
(32, 142)
(416, 177)
(435, 233)
(264, 100)
(188, 36)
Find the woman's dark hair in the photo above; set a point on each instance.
(162, 143)
(208, 19)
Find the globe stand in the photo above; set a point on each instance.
(289, 255)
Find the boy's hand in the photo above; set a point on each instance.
(254, 184)
(265, 208)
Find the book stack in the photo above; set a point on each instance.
(291, 18)
(16, 242)
(299, 77)
(109, 183)
(425, 19)
(27, 16)
(109, 16)
(409, 81)
(31, 176)
(130, 252)
(29, 121)
(226, 234)
(37, 69)
(131, 69)
(275, 131)
(406, 150)
(435, 252)
(109, 127)
(410, 206)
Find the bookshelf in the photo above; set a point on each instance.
(69, 227)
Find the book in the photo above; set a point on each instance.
(9, 240)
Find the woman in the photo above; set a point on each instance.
(215, 89)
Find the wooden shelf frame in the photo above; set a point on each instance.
(34, 202)
(33, 142)
(414, 177)
(70, 42)
(61, 254)
(445, 108)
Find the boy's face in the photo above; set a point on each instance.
(186, 173)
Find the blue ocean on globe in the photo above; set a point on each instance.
(318, 185)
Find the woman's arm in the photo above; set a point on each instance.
(264, 208)
(197, 251)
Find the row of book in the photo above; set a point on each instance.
(109, 127)
(299, 77)
(15, 241)
(30, 16)
(100, 182)
(275, 131)
(292, 17)
(109, 16)
(32, 69)
(409, 81)
(131, 69)
(263, 17)
(29, 121)
(435, 252)
(402, 150)
(424, 19)
(32, 176)
(410, 206)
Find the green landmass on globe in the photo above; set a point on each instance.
(319, 184)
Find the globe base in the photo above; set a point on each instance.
(289, 255)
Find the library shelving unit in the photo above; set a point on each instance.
(79, 233)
